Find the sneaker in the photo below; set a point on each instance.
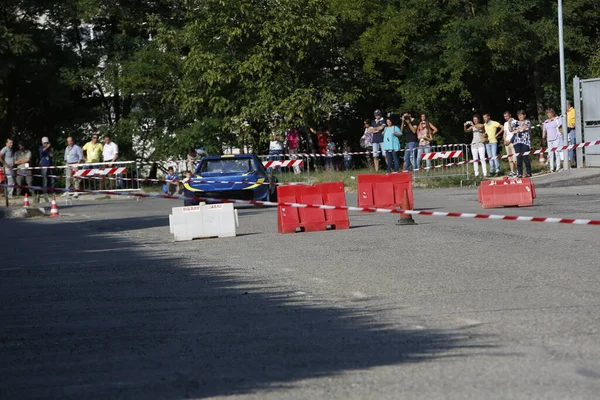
(559, 169)
(76, 195)
(512, 174)
(519, 176)
(528, 176)
(65, 194)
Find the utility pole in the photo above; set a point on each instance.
(563, 84)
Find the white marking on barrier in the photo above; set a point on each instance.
(284, 163)
(101, 171)
(442, 154)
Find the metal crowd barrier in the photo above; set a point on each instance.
(439, 155)
(120, 173)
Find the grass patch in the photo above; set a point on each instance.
(348, 177)
(424, 181)
(156, 188)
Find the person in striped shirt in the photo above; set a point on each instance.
(522, 141)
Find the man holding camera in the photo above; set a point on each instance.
(409, 131)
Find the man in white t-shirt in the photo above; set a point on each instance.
(110, 154)
(510, 149)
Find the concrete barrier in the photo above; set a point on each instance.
(203, 221)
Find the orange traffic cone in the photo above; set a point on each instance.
(26, 201)
(406, 219)
(53, 208)
(542, 157)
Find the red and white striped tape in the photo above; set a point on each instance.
(526, 153)
(283, 163)
(569, 147)
(551, 220)
(99, 171)
(443, 154)
(151, 180)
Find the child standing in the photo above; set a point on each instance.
(331, 149)
(347, 156)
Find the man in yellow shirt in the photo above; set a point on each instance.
(493, 130)
(93, 154)
(93, 150)
(571, 133)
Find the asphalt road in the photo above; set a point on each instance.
(101, 303)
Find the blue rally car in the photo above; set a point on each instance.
(239, 176)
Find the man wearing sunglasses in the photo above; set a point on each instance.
(92, 151)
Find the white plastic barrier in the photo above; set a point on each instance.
(203, 221)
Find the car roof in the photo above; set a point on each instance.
(229, 157)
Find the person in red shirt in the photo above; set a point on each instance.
(292, 142)
(321, 141)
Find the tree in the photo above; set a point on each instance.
(265, 63)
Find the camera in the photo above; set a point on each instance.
(469, 123)
(406, 117)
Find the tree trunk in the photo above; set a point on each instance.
(117, 106)
(539, 93)
(127, 102)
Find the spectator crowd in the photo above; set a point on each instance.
(382, 137)
(18, 166)
(413, 138)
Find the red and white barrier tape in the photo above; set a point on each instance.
(425, 156)
(150, 180)
(551, 220)
(526, 153)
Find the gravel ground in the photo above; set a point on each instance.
(101, 303)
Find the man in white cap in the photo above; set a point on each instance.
(46, 160)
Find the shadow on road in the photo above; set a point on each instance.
(140, 320)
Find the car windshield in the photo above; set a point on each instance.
(224, 166)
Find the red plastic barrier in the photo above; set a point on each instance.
(384, 191)
(507, 193)
(291, 219)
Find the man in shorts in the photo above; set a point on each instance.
(377, 127)
(510, 148)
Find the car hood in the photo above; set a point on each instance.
(215, 181)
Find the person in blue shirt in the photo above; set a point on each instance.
(46, 162)
(73, 157)
(172, 185)
(391, 145)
